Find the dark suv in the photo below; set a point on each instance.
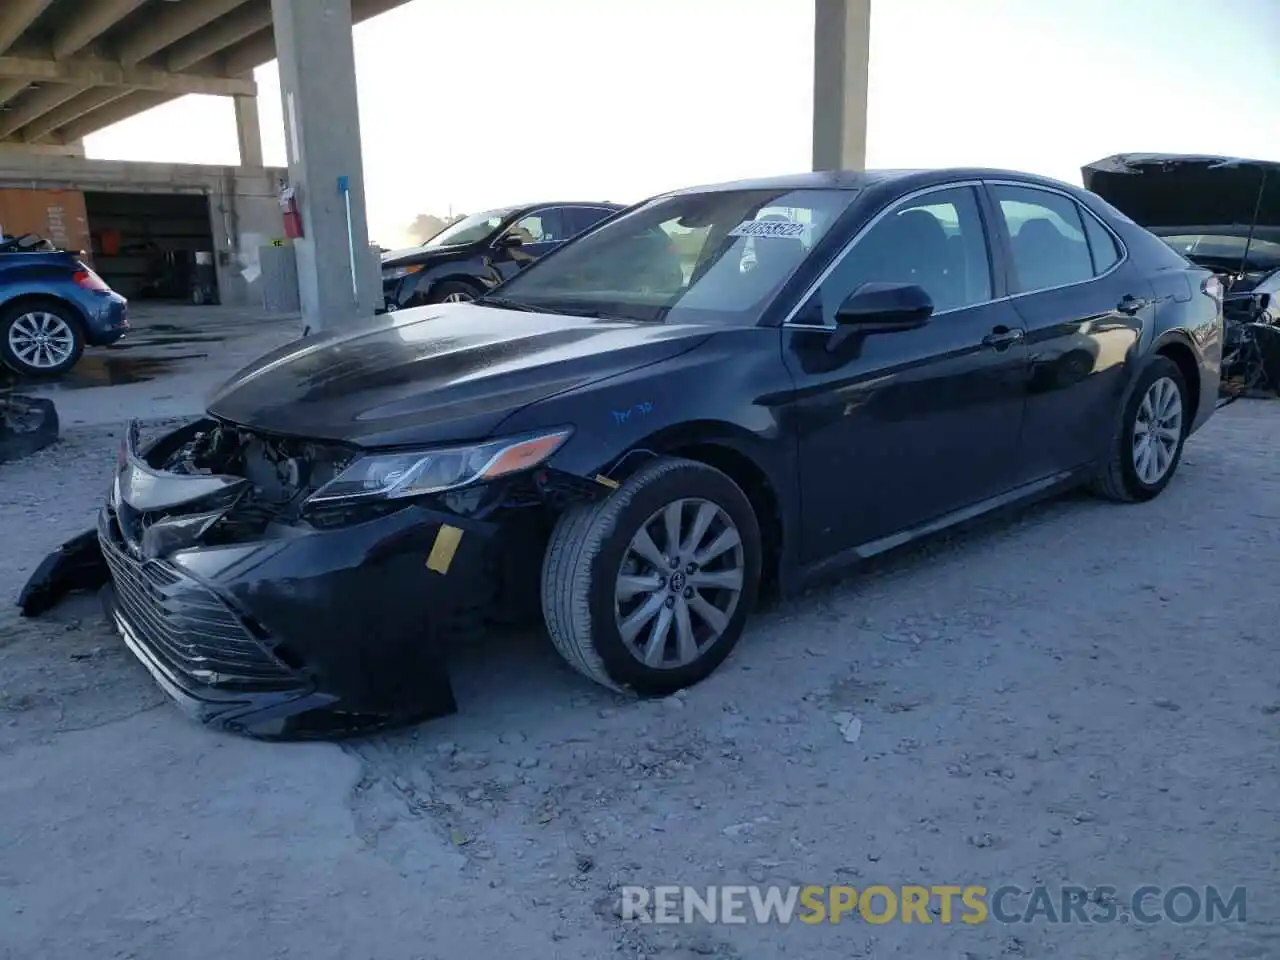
(470, 257)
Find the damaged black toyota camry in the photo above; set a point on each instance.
(719, 390)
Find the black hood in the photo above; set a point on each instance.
(401, 258)
(1160, 191)
(435, 374)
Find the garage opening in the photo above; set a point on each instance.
(153, 246)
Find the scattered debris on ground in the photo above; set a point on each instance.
(27, 424)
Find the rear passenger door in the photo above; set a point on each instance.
(1083, 305)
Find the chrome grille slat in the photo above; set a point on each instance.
(184, 623)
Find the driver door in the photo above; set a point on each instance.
(540, 232)
(900, 428)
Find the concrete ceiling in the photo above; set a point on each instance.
(70, 67)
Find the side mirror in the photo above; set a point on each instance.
(509, 240)
(885, 307)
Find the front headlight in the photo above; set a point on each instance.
(399, 273)
(387, 476)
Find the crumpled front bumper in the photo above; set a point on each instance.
(316, 634)
(298, 632)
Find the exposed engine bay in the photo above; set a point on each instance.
(282, 471)
(1251, 347)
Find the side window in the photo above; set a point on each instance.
(583, 218)
(545, 226)
(1101, 244)
(936, 241)
(1046, 236)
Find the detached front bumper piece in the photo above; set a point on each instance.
(27, 424)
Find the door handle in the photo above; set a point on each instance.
(1002, 337)
(1129, 304)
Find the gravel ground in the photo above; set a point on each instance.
(1086, 693)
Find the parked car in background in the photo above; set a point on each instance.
(1222, 213)
(52, 305)
(633, 450)
(471, 256)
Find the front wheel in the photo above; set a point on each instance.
(453, 291)
(40, 340)
(649, 590)
(1147, 446)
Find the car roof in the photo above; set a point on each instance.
(908, 179)
(601, 204)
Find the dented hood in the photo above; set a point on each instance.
(436, 374)
(1170, 190)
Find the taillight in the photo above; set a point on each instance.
(86, 279)
(1212, 287)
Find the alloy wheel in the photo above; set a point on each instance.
(679, 583)
(41, 340)
(1157, 431)
(458, 298)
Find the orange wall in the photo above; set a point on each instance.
(57, 215)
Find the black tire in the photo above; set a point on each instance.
(1118, 479)
(441, 292)
(12, 315)
(584, 558)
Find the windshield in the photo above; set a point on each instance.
(470, 229)
(1263, 254)
(719, 257)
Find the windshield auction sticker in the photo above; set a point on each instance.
(768, 228)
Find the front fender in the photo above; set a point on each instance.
(478, 270)
(725, 394)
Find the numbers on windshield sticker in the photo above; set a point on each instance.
(768, 228)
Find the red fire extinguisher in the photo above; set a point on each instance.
(289, 211)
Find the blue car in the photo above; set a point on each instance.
(52, 305)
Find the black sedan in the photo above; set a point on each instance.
(635, 447)
(473, 255)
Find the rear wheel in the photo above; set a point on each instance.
(1147, 446)
(40, 340)
(649, 589)
(453, 291)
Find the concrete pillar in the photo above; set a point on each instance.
(322, 137)
(841, 50)
(249, 132)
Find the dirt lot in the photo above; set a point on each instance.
(1086, 694)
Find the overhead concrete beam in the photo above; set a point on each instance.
(75, 108)
(260, 48)
(97, 72)
(16, 16)
(250, 53)
(219, 35)
(122, 109)
(88, 22)
(48, 149)
(172, 22)
(11, 88)
(35, 105)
